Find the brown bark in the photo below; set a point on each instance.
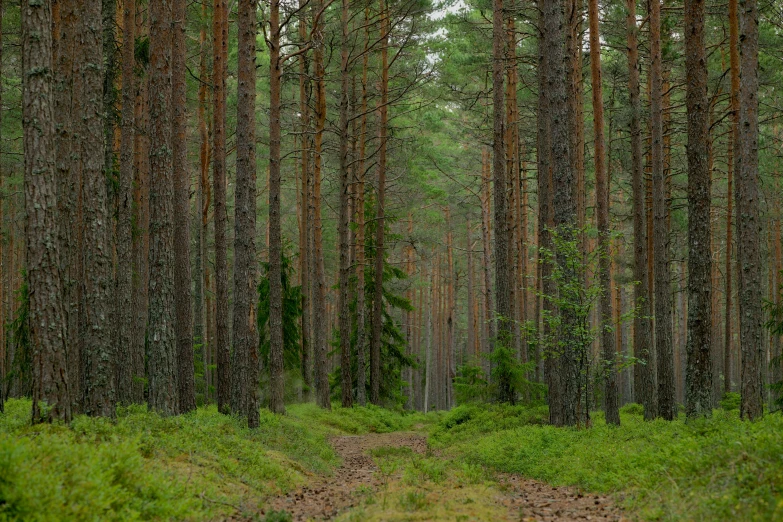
(732, 167)
(222, 348)
(320, 317)
(451, 305)
(199, 327)
(123, 306)
(502, 268)
(698, 376)
(748, 222)
(488, 329)
(277, 384)
(667, 407)
(51, 399)
(97, 276)
(608, 348)
(380, 232)
(245, 365)
(161, 344)
(344, 315)
(182, 297)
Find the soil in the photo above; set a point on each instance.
(525, 500)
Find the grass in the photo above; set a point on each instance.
(141, 466)
(710, 469)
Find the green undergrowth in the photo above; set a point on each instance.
(709, 469)
(141, 466)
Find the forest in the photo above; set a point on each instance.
(391, 260)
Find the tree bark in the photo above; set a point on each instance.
(344, 315)
(162, 357)
(124, 308)
(361, 360)
(667, 407)
(222, 347)
(380, 232)
(748, 222)
(98, 279)
(245, 368)
(698, 394)
(611, 400)
(277, 384)
(182, 300)
(732, 167)
(51, 399)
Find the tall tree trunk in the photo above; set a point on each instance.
(564, 215)
(488, 330)
(97, 261)
(361, 374)
(667, 407)
(51, 399)
(277, 384)
(608, 348)
(698, 400)
(199, 327)
(451, 305)
(245, 367)
(162, 358)
(344, 315)
(182, 300)
(304, 236)
(124, 308)
(320, 325)
(68, 176)
(380, 232)
(748, 223)
(141, 244)
(471, 334)
(732, 167)
(222, 348)
(502, 268)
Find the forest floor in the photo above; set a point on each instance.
(395, 476)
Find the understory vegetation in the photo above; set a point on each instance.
(146, 467)
(716, 468)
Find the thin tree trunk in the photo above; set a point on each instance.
(344, 315)
(488, 330)
(698, 394)
(320, 317)
(748, 222)
(608, 348)
(182, 296)
(222, 347)
(732, 167)
(304, 238)
(667, 407)
(380, 232)
(199, 333)
(277, 384)
(51, 399)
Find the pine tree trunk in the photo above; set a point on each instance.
(732, 167)
(277, 384)
(608, 341)
(246, 366)
(182, 296)
(380, 232)
(320, 324)
(51, 399)
(161, 351)
(97, 261)
(698, 376)
(344, 315)
(124, 308)
(488, 330)
(222, 347)
(667, 407)
(748, 222)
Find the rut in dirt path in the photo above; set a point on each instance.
(329, 496)
(522, 499)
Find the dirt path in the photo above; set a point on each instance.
(350, 492)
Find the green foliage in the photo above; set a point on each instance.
(718, 468)
(292, 312)
(731, 401)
